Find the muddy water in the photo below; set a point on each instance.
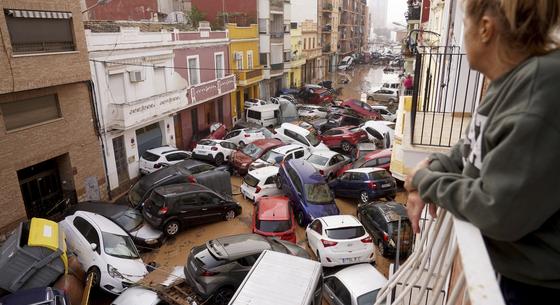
(361, 79)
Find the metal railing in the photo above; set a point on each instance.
(277, 34)
(450, 265)
(446, 92)
(43, 47)
(276, 67)
(413, 13)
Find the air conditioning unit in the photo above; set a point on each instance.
(136, 76)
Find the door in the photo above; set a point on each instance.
(336, 293)
(120, 160)
(314, 233)
(221, 110)
(188, 209)
(211, 207)
(85, 235)
(343, 184)
(178, 131)
(40, 188)
(148, 137)
(356, 184)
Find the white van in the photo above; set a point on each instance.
(265, 115)
(281, 279)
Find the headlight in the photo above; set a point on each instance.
(113, 272)
(151, 241)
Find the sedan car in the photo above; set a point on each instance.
(104, 250)
(217, 151)
(347, 286)
(365, 184)
(260, 183)
(244, 136)
(339, 240)
(362, 109)
(218, 267)
(156, 158)
(130, 220)
(242, 159)
(328, 162)
(307, 190)
(345, 138)
(379, 158)
(273, 217)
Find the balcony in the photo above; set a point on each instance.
(327, 48)
(327, 28)
(277, 6)
(413, 13)
(212, 89)
(276, 69)
(245, 78)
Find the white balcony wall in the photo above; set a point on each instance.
(276, 54)
(264, 43)
(264, 8)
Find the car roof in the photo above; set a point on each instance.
(344, 128)
(340, 221)
(103, 208)
(179, 188)
(172, 170)
(295, 128)
(353, 278)
(266, 143)
(390, 210)
(264, 172)
(236, 246)
(103, 223)
(136, 295)
(325, 153)
(274, 208)
(307, 172)
(366, 145)
(286, 148)
(366, 170)
(162, 150)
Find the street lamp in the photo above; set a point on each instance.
(99, 2)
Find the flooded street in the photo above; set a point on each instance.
(361, 79)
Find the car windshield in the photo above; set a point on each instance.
(273, 226)
(272, 156)
(148, 156)
(358, 163)
(363, 152)
(318, 160)
(136, 192)
(318, 193)
(250, 180)
(346, 232)
(252, 150)
(120, 246)
(266, 133)
(312, 138)
(368, 298)
(130, 220)
(378, 175)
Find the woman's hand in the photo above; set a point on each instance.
(408, 181)
(414, 207)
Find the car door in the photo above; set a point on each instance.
(335, 292)
(85, 235)
(233, 136)
(329, 137)
(355, 184)
(242, 266)
(228, 149)
(342, 185)
(211, 207)
(336, 162)
(188, 209)
(314, 234)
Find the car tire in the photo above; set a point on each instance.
(381, 248)
(171, 228)
(223, 296)
(219, 159)
(300, 219)
(278, 182)
(229, 215)
(241, 144)
(391, 101)
(346, 147)
(94, 271)
(364, 197)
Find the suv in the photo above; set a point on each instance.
(156, 158)
(381, 220)
(218, 267)
(279, 154)
(293, 134)
(176, 206)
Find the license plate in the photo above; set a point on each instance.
(386, 185)
(349, 260)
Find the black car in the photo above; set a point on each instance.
(334, 120)
(381, 220)
(177, 206)
(185, 171)
(130, 220)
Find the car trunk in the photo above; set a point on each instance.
(251, 182)
(406, 235)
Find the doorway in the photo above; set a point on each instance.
(148, 137)
(41, 188)
(120, 160)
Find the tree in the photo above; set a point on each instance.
(195, 16)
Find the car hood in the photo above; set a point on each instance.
(146, 232)
(321, 146)
(132, 269)
(241, 158)
(320, 210)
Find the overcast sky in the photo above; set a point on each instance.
(396, 12)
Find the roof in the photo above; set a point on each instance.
(307, 172)
(266, 143)
(340, 221)
(103, 223)
(264, 172)
(173, 189)
(162, 150)
(366, 170)
(267, 107)
(353, 278)
(237, 246)
(274, 208)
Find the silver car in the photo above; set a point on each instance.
(384, 95)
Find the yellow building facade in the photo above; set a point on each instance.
(244, 62)
(297, 59)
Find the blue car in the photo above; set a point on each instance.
(308, 191)
(365, 184)
(42, 295)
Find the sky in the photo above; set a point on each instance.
(396, 12)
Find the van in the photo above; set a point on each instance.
(281, 278)
(266, 115)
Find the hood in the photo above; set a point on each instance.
(240, 158)
(146, 232)
(132, 269)
(320, 210)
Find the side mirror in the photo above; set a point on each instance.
(93, 246)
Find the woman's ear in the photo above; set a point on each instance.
(486, 29)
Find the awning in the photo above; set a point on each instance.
(39, 14)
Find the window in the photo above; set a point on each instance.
(269, 180)
(299, 154)
(317, 226)
(88, 231)
(176, 156)
(370, 163)
(253, 114)
(159, 82)
(31, 111)
(250, 60)
(346, 176)
(228, 145)
(219, 64)
(193, 69)
(263, 59)
(262, 26)
(208, 199)
(305, 43)
(116, 87)
(313, 45)
(40, 32)
(383, 160)
(187, 200)
(232, 134)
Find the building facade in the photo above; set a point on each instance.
(311, 51)
(329, 21)
(172, 11)
(352, 26)
(244, 63)
(220, 12)
(47, 128)
(297, 58)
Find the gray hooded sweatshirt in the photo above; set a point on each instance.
(507, 177)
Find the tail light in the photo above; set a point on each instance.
(372, 185)
(367, 240)
(385, 237)
(258, 190)
(214, 148)
(246, 136)
(321, 172)
(328, 243)
(163, 211)
(191, 179)
(289, 236)
(208, 273)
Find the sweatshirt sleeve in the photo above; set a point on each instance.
(451, 162)
(517, 190)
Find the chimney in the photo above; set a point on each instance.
(204, 29)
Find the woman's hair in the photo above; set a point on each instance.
(524, 25)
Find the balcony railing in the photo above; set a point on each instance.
(43, 47)
(446, 92)
(413, 13)
(246, 77)
(450, 265)
(276, 68)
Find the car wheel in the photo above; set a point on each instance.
(364, 197)
(241, 143)
(346, 147)
(391, 101)
(219, 159)
(278, 182)
(381, 248)
(230, 215)
(300, 219)
(94, 271)
(171, 228)
(223, 296)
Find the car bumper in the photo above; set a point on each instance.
(330, 258)
(115, 285)
(381, 193)
(206, 157)
(247, 193)
(199, 289)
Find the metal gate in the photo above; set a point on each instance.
(148, 137)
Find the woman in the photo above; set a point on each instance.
(503, 176)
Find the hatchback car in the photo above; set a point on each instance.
(365, 184)
(345, 138)
(104, 250)
(385, 113)
(347, 286)
(217, 151)
(272, 216)
(293, 134)
(362, 109)
(379, 158)
(156, 158)
(36, 296)
(328, 162)
(242, 159)
(244, 136)
(384, 95)
(307, 190)
(260, 183)
(282, 153)
(218, 267)
(173, 207)
(380, 130)
(339, 240)
(381, 220)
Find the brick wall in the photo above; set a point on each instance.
(123, 10)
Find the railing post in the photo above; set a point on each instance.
(414, 106)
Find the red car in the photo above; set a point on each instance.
(242, 159)
(380, 158)
(217, 131)
(345, 137)
(316, 95)
(362, 109)
(272, 216)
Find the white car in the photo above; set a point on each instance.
(245, 136)
(290, 133)
(104, 249)
(384, 95)
(374, 129)
(254, 102)
(260, 183)
(157, 158)
(312, 111)
(348, 286)
(217, 151)
(289, 97)
(385, 113)
(138, 296)
(328, 162)
(277, 155)
(339, 240)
